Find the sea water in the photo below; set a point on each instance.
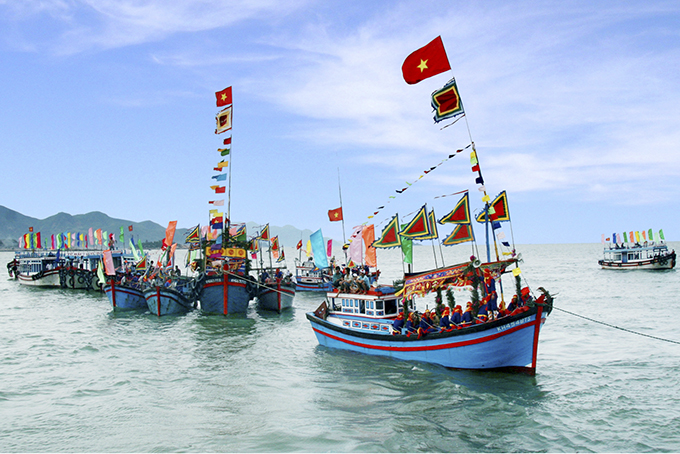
(77, 377)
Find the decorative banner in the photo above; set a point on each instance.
(390, 235)
(222, 164)
(170, 232)
(368, 235)
(110, 269)
(355, 252)
(498, 209)
(194, 235)
(418, 227)
(446, 102)
(425, 172)
(460, 214)
(264, 235)
(275, 243)
(223, 120)
(217, 203)
(425, 62)
(320, 259)
(329, 247)
(223, 97)
(224, 151)
(461, 234)
(234, 252)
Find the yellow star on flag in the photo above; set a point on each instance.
(224, 96)
(422, 65)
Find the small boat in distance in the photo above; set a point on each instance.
(309, 278)
(275, 293)
(646, 256)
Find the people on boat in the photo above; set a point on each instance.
(466, 318)
(264, 276)
(398, 324)
(513, 304)
(457, 317)
(364, 282)
(483, 311)
(411, 324)
(425, 326)
(337, 278)
(445, 321)
(278, 275)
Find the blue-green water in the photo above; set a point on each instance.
(78, 378)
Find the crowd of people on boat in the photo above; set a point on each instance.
(279, 276)
(352, 280)
(449, 319)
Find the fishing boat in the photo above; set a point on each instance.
(125, 296)
(276, 294)
(488, 335)
(648, 256)
(224, 293)
(364, 323)
(175, 298)
(309, 278)
(39, 269)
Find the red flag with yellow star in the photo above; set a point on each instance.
(426, 62)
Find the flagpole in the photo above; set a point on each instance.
(344, 240)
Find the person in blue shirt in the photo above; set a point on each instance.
(466, 319)
(398, 324)
(444, 322)
(457, 317)
(425, 326)
(411, 324)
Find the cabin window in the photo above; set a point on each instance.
(362, 306)
(390, 306)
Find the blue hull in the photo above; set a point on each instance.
(124, 298)
(276, 297)
(509, 343)
(224, 295)
(167, 301)
(302, 287)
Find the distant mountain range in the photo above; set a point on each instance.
(14, 224)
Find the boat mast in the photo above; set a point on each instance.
(344, 240)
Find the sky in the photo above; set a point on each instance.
(573, 107)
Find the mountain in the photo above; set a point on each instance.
(14, 224)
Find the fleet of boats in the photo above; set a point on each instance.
(497, 330)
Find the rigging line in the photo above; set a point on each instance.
(617, 327)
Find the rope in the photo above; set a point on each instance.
(617, 327)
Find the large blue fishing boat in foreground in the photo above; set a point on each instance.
(364, 323)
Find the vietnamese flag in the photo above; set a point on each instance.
(299, 245)
(223, 97)
(335, 215)
(426, 62)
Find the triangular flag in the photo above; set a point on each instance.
(419, 225)
(460, 214)
(390, 235)
(461, 234)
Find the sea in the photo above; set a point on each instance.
(78, 377)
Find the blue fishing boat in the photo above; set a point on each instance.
(178, 298)
(125, 297)
(364, 323)
(309, 278)
(487, 336)
(223, 293)
(276, 294)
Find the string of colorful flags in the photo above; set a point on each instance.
(634, 236)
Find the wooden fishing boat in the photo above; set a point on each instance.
(223, 293)
(364, 323)
(487, 336)
(308, 278)
(276, 294)
(162, 300)
(125, 297)
(649, 256)
(39, 269)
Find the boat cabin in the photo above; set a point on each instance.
(371, 305)
(634, 254)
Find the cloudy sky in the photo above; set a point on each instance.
(573, 107)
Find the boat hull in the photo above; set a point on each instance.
(302, 286)
(124, 298)
(48, 278)
(276, 296)
(652, 264)
(224, 294)
(74, 278)
(166, 301)
(509, 343)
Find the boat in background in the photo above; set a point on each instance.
(309, 278)
(39, 269)
(176, 298)
(223, 292)
(646, 256)
(275, 293)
